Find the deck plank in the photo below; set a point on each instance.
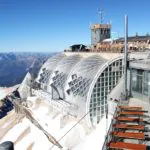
(129, 119)
(129, 126)
(130, 108)
(129, 146)
(131, 113)
(129, 135)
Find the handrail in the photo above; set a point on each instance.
(108, 136)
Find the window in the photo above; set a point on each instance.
(103, 86)
(140, 81)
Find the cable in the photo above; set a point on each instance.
(71, 128)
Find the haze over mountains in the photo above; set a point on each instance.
(14, 66)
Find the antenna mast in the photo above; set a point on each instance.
(101, 14)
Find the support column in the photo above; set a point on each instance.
(125, 56)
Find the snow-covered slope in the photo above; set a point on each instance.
(26, 136)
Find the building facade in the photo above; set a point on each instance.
(82, 82)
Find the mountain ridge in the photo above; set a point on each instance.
(14, 66)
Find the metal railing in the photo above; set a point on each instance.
(108, 137)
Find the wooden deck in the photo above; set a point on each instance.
(124, 127)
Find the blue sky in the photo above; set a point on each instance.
(53, 25)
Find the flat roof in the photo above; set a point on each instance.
(98, 26)
(134, 38)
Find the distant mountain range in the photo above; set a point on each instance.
(7, 56)
(14, 66)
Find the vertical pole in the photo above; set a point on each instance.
(125, 56)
